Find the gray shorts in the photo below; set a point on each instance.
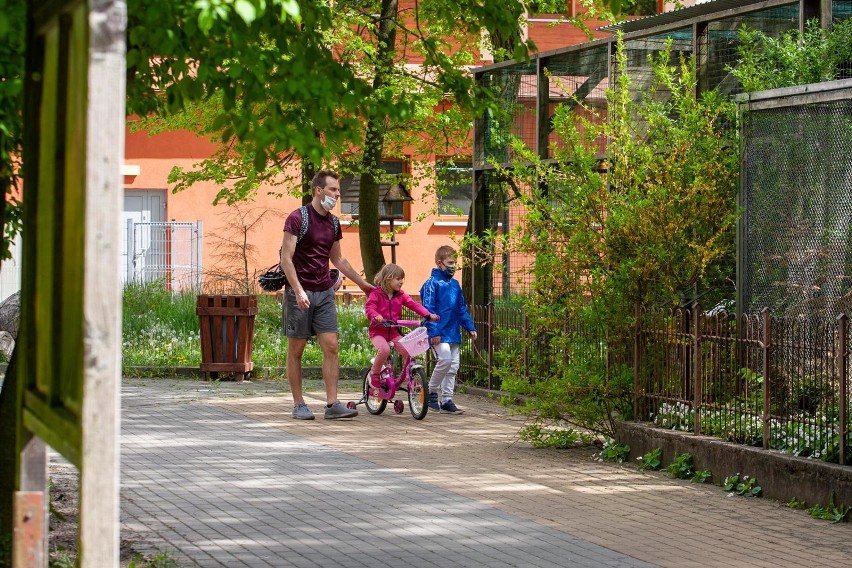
(320, 317)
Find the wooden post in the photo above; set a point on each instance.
(100, 418)
(29, 549)
(30, 512)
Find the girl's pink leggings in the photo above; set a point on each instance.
(383, 351)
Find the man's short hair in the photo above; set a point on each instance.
(445, 251)
(320, 178)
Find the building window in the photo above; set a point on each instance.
(350, 187)
(455, 187)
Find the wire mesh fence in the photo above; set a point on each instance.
(168, 252)
(720, 42)
(796, 227)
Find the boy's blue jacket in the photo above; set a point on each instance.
(441, 294)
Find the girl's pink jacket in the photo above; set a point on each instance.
(378, 304)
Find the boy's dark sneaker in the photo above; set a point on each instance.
(448, 407)
(433, 401)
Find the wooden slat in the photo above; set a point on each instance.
(29, 549)
(226, 311)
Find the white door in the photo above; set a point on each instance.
(10, 271)
(141, 206)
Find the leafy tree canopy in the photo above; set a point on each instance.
(276, 67)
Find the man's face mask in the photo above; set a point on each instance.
(328, 202)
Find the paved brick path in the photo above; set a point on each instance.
(221, 476)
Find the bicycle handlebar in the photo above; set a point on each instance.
(404, 323)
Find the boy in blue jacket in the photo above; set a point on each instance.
(441, 294)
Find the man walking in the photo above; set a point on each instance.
(309, 244)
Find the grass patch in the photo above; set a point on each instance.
(160, 329)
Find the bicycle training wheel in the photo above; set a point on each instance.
(418, 398)
(374, 404)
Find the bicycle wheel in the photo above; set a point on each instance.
(374, 404)
(418, 398)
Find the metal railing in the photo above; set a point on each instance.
(766, 381)
(169, 252)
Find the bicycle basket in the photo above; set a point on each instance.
(416, 342)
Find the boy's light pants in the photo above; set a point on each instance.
(446, 367)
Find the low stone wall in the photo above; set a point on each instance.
(781, 476)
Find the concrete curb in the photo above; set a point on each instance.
(781, 476)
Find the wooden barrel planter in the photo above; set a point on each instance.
(227, 334)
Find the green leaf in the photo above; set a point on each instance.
(246, 10)
(205, 21)
(291, 8)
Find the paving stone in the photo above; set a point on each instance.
(224, 477)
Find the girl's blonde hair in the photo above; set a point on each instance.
(385, 274)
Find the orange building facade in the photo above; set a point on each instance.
(219, 239)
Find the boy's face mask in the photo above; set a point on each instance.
(449, 270)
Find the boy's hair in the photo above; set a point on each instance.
(320, 179)
(445, 251)
(385, 274)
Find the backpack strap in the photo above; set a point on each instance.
(336, 222)
(306, 222)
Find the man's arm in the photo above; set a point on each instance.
(336, 258)
(288, 249)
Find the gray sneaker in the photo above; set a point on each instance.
(338, 410)
(302, 412)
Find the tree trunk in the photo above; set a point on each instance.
(368, 199)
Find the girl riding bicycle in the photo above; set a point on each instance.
(385, 302)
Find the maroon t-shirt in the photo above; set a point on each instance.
(311, 256)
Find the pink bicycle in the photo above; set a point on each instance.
(411, 378)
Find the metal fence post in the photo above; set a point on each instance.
(131, 251)
(767, 342)
(490, 345)
(636, 360)
(198, 254)
(696, 369)
(843, 345)
(526, 336)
